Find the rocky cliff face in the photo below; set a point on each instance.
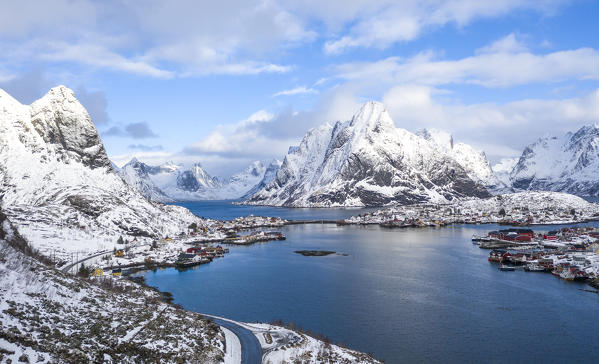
(58, 183)
(366, 162)
(566, 164)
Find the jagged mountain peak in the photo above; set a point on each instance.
(59, 93)
(8, 102)
(365, 162)
(472, 160)
(57, 180)
(255, 169)
(58, 124)
(372, 116)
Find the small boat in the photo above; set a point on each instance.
(506, 268)
(567, 275)
(534, 268)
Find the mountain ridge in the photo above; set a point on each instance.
(171, 182)
(58, 184)
(365, 162)
(569, 163)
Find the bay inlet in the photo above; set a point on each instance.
(416, 294)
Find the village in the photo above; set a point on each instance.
(519, 209)
(200, 244)
(570, 253)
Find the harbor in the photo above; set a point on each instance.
(570, 253)
(196, 246)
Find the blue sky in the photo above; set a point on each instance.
(228, 83)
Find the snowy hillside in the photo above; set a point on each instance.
(568, 164)
(47, 316)
(522, 208)
(366, 162)
(473, 161)
(532, 200)
(176, 182)
(59, 187)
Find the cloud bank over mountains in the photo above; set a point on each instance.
(477, 69)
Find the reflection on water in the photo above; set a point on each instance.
(403, 295)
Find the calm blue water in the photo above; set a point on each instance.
(411, 295)
(225, 210)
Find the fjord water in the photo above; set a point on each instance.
(409, 295)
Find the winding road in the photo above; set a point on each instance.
(66, 268)
(251, 350)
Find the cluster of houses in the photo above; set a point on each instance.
(197, 255)
(250, 222)
(193, 247)
(255, 237)
(569, 253)
(513, 209)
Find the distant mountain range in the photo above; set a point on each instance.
(176, 182)
(54, 170)
(367, 161)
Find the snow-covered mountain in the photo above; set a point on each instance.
(176, 182)
(366, 162)
(269, 175)
(567, 164)
(58, 185)
(503, 169)
(137, 175)
(473, 161)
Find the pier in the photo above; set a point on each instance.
(304, 222)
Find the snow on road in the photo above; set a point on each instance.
(233, 346)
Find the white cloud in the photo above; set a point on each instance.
(241, 140)
(383, 23)
(301, 90)
(498, 69)
(501, 130)
(507, 44)
(153, 38)
(101, 57)
(188, 38)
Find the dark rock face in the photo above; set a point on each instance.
(63, 123)
(188, 182)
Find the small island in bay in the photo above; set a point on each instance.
(314, 253)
